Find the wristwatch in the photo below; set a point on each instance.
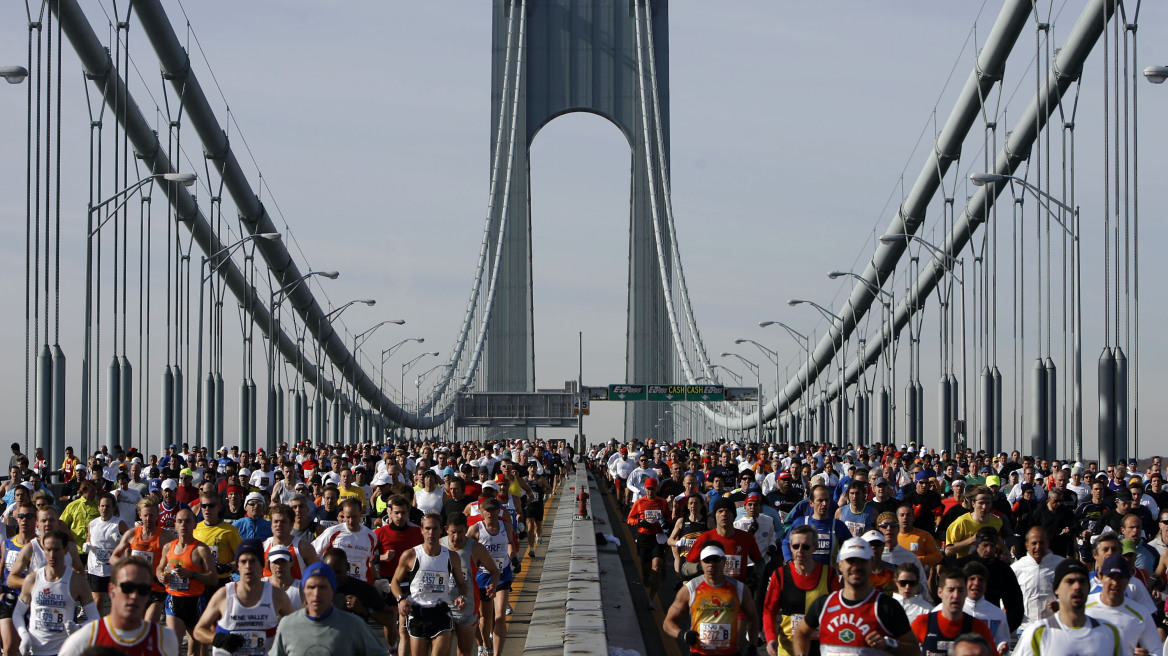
(891, 643)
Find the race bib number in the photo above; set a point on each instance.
(433, 582)
(355, 570)
(824, 544)
(500, 563)
(255, 643)
(147, 556)
(857, 528)
(714, 636)
(50, 620)
(98, 561)
(653, 516)
(733, 566)
(179, 584)
(796, 620)
(914, 547)
(214, 553)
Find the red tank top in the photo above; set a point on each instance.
(150, 644)
(166, 517)
(841, 625)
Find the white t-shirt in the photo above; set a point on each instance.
(1136, 628)
(1050, 637)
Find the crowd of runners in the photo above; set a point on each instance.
(297, 552)
(796, 549)
(814, 549)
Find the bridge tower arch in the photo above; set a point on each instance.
(580, 55)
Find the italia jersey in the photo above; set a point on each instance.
(843, 627)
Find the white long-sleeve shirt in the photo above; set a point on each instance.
(1037, 583)
(993, 616)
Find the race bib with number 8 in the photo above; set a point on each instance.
(713, 636)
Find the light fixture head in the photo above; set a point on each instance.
(14, 74)
(270, 236)
(1156, 74)
(185, 179)
(331, 275)
(836, 274)
(726, 355)
(397, 322)
(419, 339)
(764, 324)
(795, 301)
(892, 239)
(368, 301)
(980, 179)
(434, 353)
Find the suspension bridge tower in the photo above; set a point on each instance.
(581, 56)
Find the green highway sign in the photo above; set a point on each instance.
(626, 392)
(666, 393)
(700, 393)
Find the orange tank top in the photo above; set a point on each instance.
(176, 585)
(714, 614)
(149, 551)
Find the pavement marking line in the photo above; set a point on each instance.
(521, 578)
(658, 613)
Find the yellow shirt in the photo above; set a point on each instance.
(356, 492)
(964, 527)
(222, 539)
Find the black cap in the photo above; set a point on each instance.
(1123, 494)
(725, 504)
(1066, 567)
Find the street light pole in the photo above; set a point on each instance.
(216, 259)
(185, 179)
(388, 353)
(980, 179)
(274, 301)
(758, 379)
(409, 365)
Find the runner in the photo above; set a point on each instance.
(535, 506)
(650, 514)
(319, 628)
(354, 538)
(220, 536)
(187, 569)
(856, 619)
(473, 555)
(737, 545)
(303, 554)
(493, 535)
(710, 606)
(125, 628)
(49, 597)
(394, 538)
(937, 630)
(426, 608)
(280, 566)
(1070, 630)
(105, 533)
(26, 532)
(145, 542)
(241, 617)
(792, 589)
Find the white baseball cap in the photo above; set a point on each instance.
(381, 479)
(855, 548)
(873, 536)
(712, 551)
(170, 484)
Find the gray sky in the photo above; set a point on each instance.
(796, 129)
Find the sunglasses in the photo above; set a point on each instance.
(33, 516)
(211, 505)
(908, 582)
(888, 524)
(801, 547)
(130, 588)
